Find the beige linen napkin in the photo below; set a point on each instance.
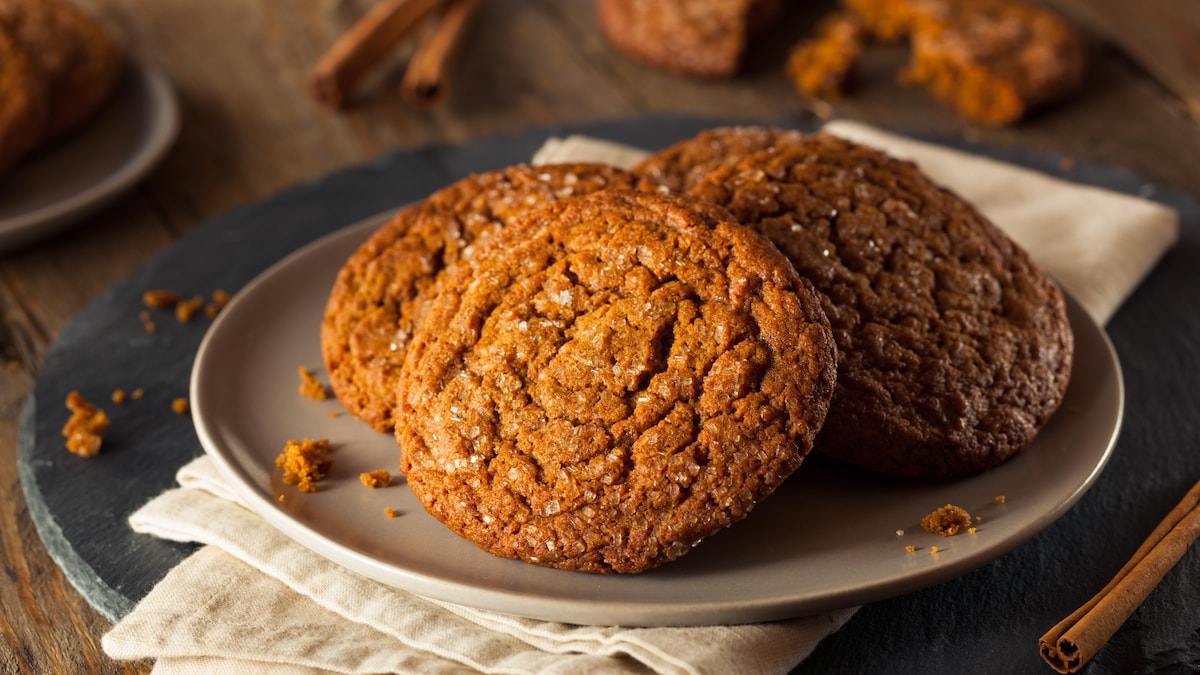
(252, 600)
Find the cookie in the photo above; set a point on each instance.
(705, 38)
(22, 101)
(993, 61)
(680, 167)
(74, 54)
(375, 303)
(611, 380)
(953, 345)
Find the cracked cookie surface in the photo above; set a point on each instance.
(954, 347)
(680, 167)
(377, 300)
(614, 378)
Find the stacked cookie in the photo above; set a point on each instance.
(57, 67)
(593, 369)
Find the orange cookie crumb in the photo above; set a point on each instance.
(180, 406)
(305, 462)
(1000, 499)
(933, 549)
(119, 396)
(161, 298)
(390, 512)
(910, 548)
(220, 298)
(147, 322)
(85, 430)
(825, 65)
(376, 479)
(946, 521)
(311, 387)
(185, 310)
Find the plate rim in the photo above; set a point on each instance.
(604, 612)
(163, 118)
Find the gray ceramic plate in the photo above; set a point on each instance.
(826, 539)
(61, 185)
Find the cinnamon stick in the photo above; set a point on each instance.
(342, 68)
(1077, 638)
(427, 79)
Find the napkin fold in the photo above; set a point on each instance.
(253, 596)
(252, 600)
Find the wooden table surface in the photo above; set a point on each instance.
(250, 129)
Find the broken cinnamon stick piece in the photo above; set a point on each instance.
(427, 79)
(341, 69)
(1077, 638)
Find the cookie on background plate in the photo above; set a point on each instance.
(612, 379)
(377, 299)
(75, 56)
(22, 101)
(706, 38)
(954, 347)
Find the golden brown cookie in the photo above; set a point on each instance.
(680, 167)
(76, 57)
(993, 61)
(953, 345)
(610, 380)
(692, 37)
(376, 301)
(22, 102)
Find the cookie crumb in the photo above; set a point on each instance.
(899, 533)
(390, 512)
(161, 298)
(305, 462)
(933, 549)
(220, 298)
(137, 394)
(119, 395)
(180, 406)
(946, 521)
(185, 310)
(825, 65)
(334, 414)
(311, 387)
(85, 430)
(376, 479)
(910, 548)
(971, 530)
(147, 322)
(1000, 499)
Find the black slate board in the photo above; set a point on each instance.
(986, 621)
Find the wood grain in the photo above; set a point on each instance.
(1161, 35)
(250, 129)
